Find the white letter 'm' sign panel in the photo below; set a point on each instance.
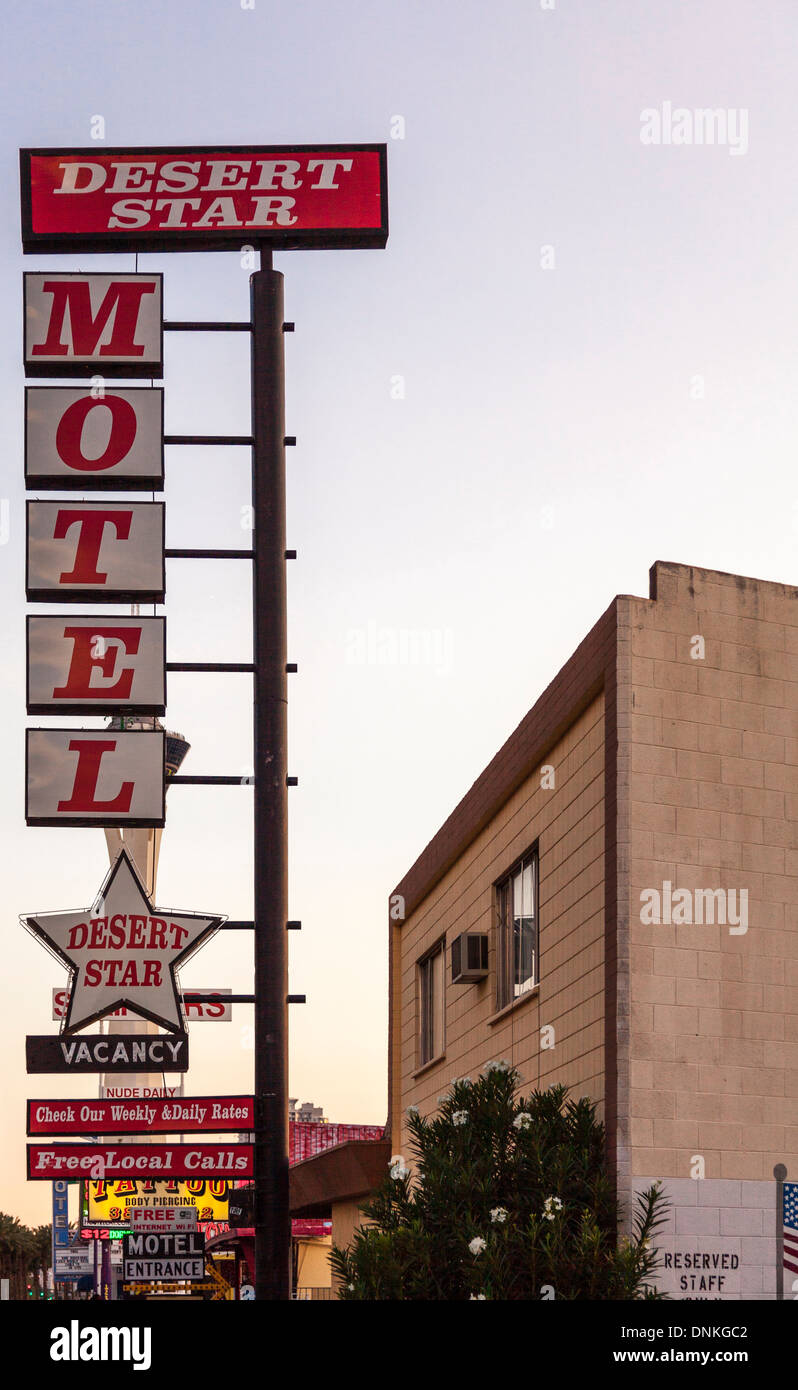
(75, 438)
(83, 325)
(96, 665)
(82, 552)
(123, 951)
(94, 777)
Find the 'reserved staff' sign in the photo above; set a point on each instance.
(186, 198)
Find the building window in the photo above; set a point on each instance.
(517, 931)
(431, 1004)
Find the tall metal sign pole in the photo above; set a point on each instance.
(182, 199)
(272, 1219)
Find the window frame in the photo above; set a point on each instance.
(425, 1033)
(507, 990)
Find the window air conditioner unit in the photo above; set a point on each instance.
(469, 957)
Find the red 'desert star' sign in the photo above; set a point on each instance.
(123, 951)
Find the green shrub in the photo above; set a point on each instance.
(510, 1199)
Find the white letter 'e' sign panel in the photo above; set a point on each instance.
(96, 665)
(123, 951)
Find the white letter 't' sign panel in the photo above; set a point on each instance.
(93, 325)
(96, 665)
(94, 777)
(75, 438)
(123, 952)
(83, 552)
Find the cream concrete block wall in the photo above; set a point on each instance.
(568, 823)
(719, 1240)
(713, 794)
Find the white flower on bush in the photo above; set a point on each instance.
(412, 1110)
(460, 1117)
(398, 1168)
(523, 1120)
(495, 1066)
(477, 1298)
(498, 1214)
(351, 1288)
(550, 1208)
(477, 1245)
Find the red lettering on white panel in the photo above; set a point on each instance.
(86, 329)
(86, 656)
(69, 435)
(92, 525)
(84, 790)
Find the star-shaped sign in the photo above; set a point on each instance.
(123, 951)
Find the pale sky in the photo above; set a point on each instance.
(490, 445)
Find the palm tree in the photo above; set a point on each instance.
(16, 1251)
(42, 1255)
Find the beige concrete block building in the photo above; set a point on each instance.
(622, 881)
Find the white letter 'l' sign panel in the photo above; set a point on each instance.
(123, 951)
(95, 777)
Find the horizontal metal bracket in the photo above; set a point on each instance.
(195, 326)
(172, 554)
(217, 666)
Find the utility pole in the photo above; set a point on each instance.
(272, 1219)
